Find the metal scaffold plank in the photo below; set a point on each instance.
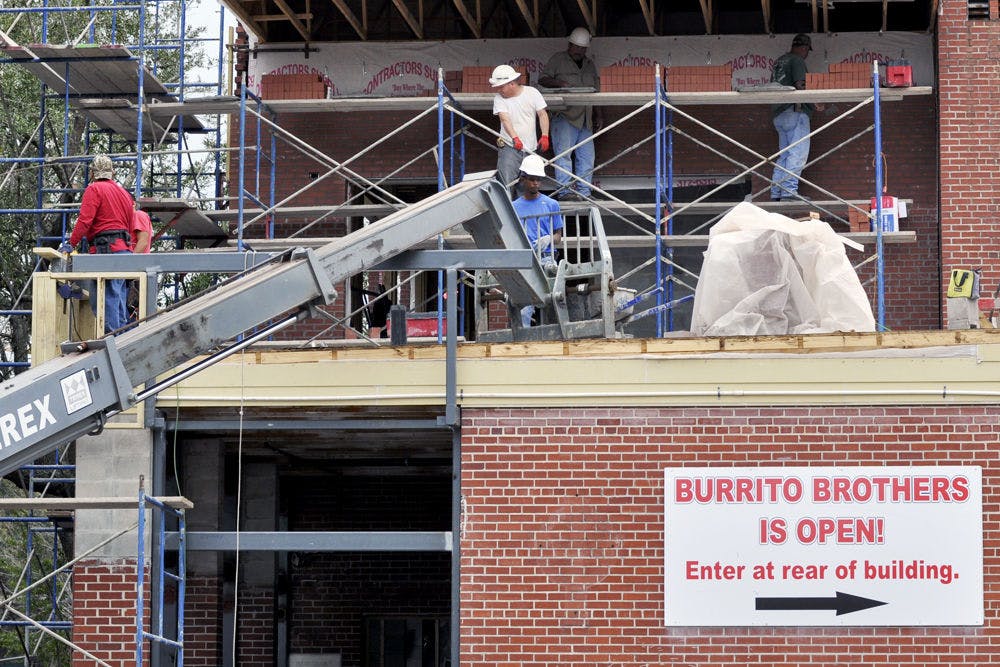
(102, 81)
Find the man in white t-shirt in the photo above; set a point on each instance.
(517, 106)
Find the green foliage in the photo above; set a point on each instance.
(20, 566)
(35, 124)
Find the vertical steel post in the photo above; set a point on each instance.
(670, 220)
(879, 260)
(441, 186)
(140, 576)
(242, 165)
(182, 581)
(456, 544)
(140, 101)
(182, 54)
(274, 171)
(658, 151)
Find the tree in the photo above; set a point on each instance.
(44, 150)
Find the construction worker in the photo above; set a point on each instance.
(576, 124)
(541, 219)
(142, 231)
(791, 120)
(105, 222)
(517, 105)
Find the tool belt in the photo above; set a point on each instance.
(102, 242)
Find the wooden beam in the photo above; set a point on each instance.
(247, 19)
(530, 19)
(706, 11)
(296, 23)
(266, 18)
(815, 15)
(588, 15)
(933, 18)
(648, 12)
(885, 14)
(411, 21)
(826, 17)
(362, 30)
(96, 503)
(765, 8)
(473, 24)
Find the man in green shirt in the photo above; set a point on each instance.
(574, 125)
(791, 120)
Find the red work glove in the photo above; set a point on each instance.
(543, 143)
(518, 145)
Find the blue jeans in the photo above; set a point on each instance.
(549, 266)
(565, 135)
(509, 166)
(115, 301)
(791, 126)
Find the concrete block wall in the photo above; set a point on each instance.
(562, 552)
(969, 135)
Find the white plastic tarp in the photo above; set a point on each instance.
(766, 274)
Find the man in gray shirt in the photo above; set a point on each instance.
(576, 124)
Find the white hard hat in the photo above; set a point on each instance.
(533, 165)
(580, 37)
(503, 74)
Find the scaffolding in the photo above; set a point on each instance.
(649, 226)
(99, 71)
(143, 122)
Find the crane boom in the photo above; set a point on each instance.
(73, 395)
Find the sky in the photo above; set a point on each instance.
(205, 13)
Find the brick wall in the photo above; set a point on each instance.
(203, 622)
(256, 627)
(104, 611)
(969, 135)
(562, 554)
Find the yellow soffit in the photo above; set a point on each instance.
(934, 367)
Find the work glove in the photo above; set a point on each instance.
(542, 243)
(65, 247)
(543, 143)
(518, 144)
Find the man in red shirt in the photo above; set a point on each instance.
(105, 221)
(142, 232)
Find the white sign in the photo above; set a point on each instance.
(76, 392)
(823, 546)
(400, 69)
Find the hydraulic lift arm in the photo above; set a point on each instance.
(73, 395)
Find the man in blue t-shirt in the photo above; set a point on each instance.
(540, 216)
(791, 120)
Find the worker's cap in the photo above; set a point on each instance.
(503, 74)
(802, 39)
(580, 37)
(533, 165)
(101, 167)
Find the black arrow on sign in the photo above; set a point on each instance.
(843, 603)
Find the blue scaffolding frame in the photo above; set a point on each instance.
(135, 143)
(158, 569)
(450, 148)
